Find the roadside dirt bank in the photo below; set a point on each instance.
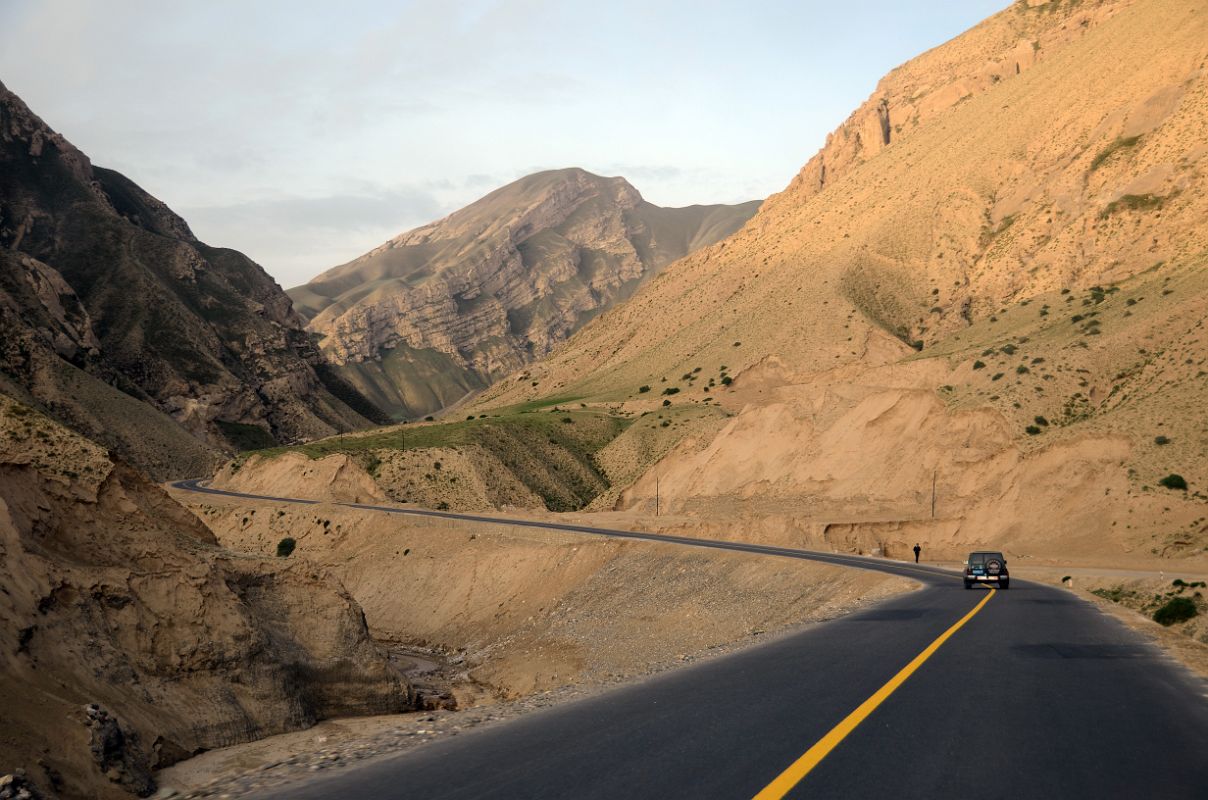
(1133, 597)
(509, 619)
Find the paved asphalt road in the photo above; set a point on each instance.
(1037, 695)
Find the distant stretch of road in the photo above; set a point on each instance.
(943, 692)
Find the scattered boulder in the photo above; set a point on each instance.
(117, 753)
(16, 787)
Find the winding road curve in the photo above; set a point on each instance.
(943, 692)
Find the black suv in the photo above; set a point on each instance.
(986, 567)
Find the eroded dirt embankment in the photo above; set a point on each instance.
(527, 610)
(130, 640)
(519, 618)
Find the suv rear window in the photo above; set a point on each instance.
(977, 559)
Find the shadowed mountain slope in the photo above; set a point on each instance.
(120, 322)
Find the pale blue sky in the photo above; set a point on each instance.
(305, 133)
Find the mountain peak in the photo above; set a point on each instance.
(496, 284)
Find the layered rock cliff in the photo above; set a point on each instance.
(107, 299)
(442, 310)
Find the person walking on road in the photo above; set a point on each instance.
(917, 550)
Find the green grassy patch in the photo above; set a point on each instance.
(551, 453)
(245, 437)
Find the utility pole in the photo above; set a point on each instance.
(933, 474)
(656, 495)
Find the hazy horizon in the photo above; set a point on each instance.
(305, 139)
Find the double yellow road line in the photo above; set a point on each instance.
(785, 782)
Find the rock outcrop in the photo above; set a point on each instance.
(444, 309)
(130, 640)
(107, 299)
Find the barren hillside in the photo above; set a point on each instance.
(990, 285)
(444, 309)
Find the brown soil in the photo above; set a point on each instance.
(526, 610)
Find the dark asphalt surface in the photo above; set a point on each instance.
(1040, 695)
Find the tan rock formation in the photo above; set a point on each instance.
(1034, 218)
(441, 310)
(115, 595)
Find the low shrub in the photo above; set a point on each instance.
(285, 547)
(1176, 609)
(1174, 481)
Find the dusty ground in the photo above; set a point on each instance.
(243, 770)
(523, 619)
(527, 610)
(518, 618)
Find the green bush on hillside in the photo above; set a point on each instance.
(1174, 481)
(1176, 609)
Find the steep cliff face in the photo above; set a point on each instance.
(102, 285)
(117, 596)
(441, 310)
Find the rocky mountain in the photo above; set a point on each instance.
(116, 319)
(130, 640)
(442, 310)
(989, 287)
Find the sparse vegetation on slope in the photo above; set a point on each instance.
(977, 228)
(550, 453)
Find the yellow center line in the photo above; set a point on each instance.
(785, 782)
